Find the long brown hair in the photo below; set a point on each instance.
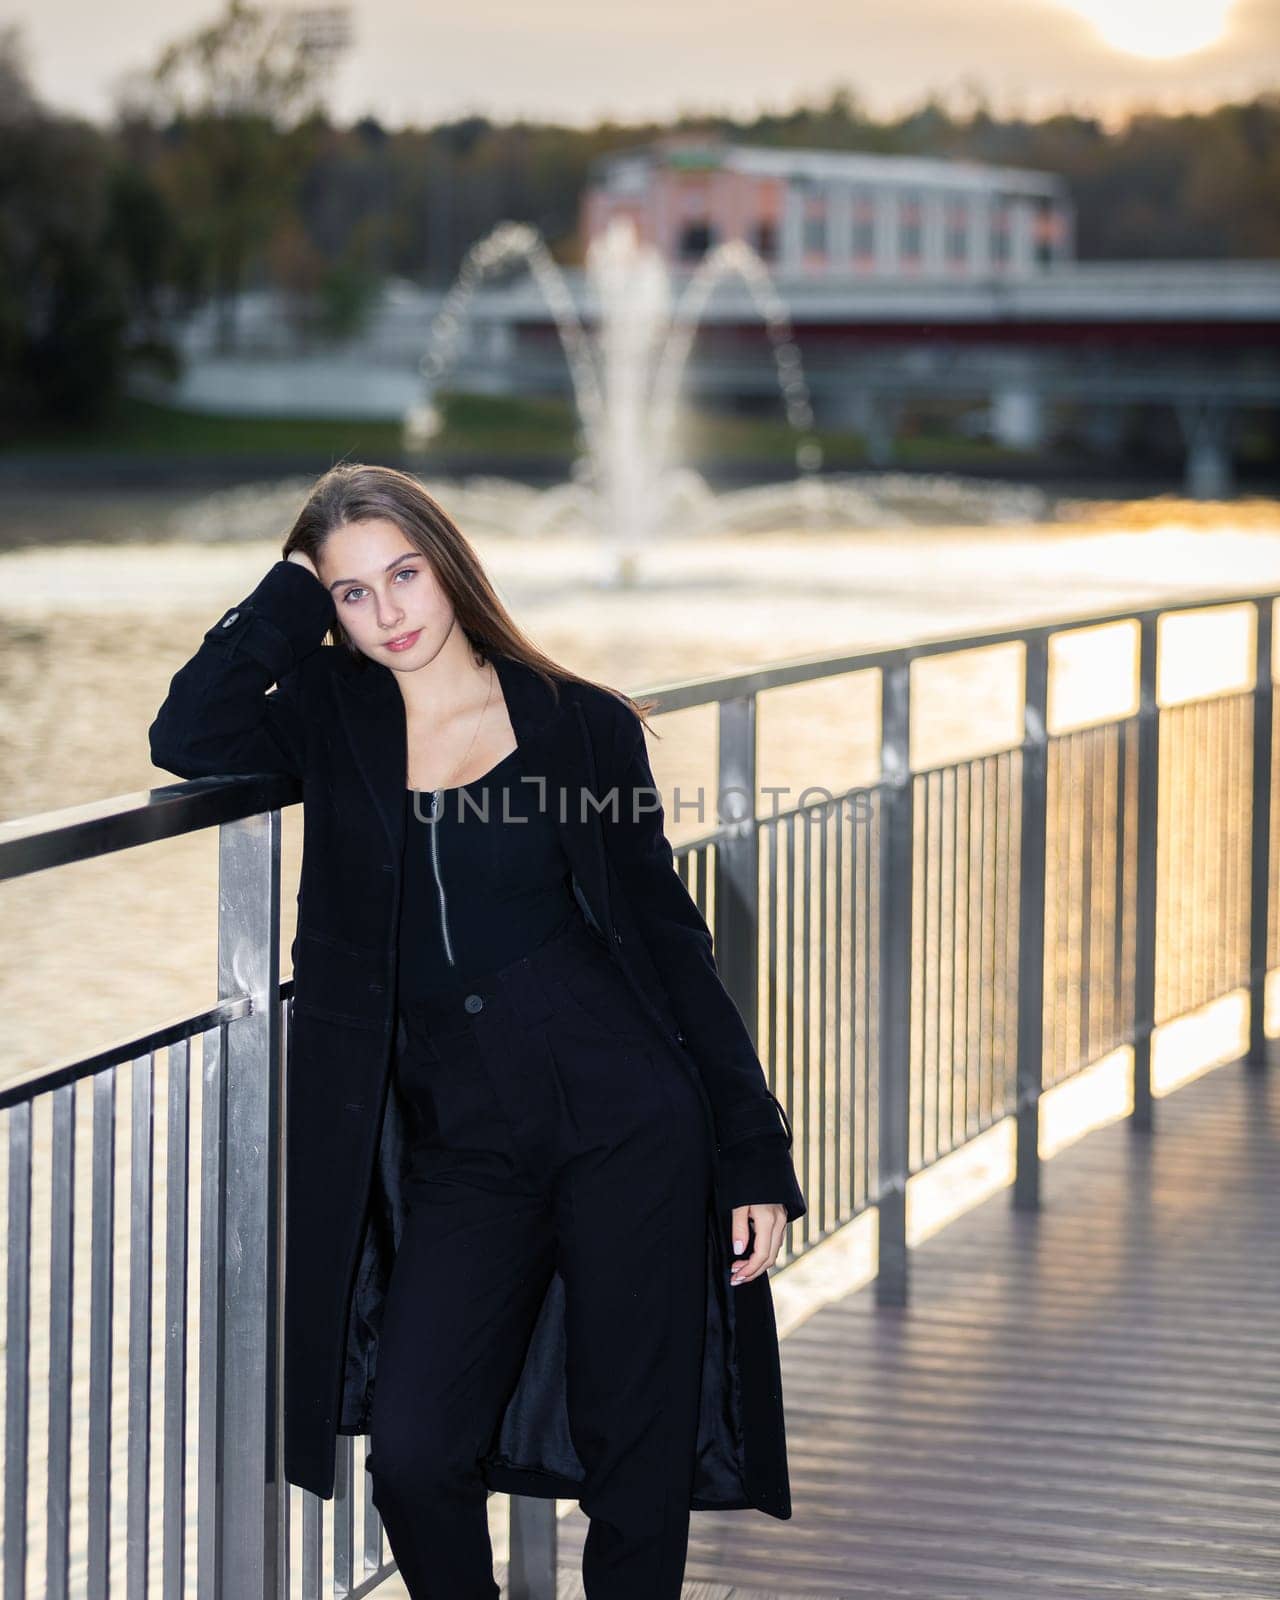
(357, 492)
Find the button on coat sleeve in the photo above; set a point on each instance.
(752, 1131)
(218, 718)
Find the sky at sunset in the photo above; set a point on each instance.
(577, 61)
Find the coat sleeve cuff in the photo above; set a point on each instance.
(760, 1172)
(283, 620)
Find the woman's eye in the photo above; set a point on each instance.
(402, 572)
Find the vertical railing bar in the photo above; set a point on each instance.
(1210, 852)
(771, 964)
(1107, 887)
(1031, 920)
(101, 1318)
(964, 921)
(1000, 1054)
(211, 1357)
(959, 941)
(1147, 835)
(926, 1150)
(1088, 838)
(1231, 805)
(996, 1078)
(986, 1087)
(955, 938)
(1119, 971)
(979, 1044)
(944, 936)
(344, 1510)
(1199, 877)
(137, 1514)
(789, 999)
(177, 1158)
(1220, 952)
(17, 1363)
(373, 1527)
(871, 966)
(1261, 778)
(1104, 830)
(1241, 729)
(1181, 865)
(1052, 1047)
(838, 1063)
(176, 1266)
(929, 1005)
(824, 957)
(312, 1545)
(1071, 924)
(897, 873)
(1170, 877)
(802, 1117)
(976, 834)
(736, 914)
(284, 1489)
(531, 1573)
(991, 917)
(1002, 1023)
(61, 1300)
(1234, 973)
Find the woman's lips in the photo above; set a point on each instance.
(404, 641)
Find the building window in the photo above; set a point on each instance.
(864, 225)
(909, 232)
(814, 233)
(957, 230)
(696, 238)
(1000, 233)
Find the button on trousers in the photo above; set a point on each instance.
(551, 1129)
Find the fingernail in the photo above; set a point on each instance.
(739, 1245)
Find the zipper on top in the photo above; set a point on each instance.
(435, 864)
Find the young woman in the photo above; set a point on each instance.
(534, 1175)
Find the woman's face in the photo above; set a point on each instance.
(386, 593)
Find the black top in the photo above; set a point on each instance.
(484, 882)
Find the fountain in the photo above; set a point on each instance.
(626, 382)
(628, 485)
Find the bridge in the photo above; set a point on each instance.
(1074, 345)
(1036, 974)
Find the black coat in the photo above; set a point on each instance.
(337, 723)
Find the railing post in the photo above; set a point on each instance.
(896, 895)
(531, 1570)
(1148, 827)
(737, 908)
(1260, 843)
(247, 1445)
(1031, 868)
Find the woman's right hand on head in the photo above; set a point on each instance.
(303, 560)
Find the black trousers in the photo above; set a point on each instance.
(551, 1128)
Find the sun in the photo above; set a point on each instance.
(1157, 30)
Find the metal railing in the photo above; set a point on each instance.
(1051, 902)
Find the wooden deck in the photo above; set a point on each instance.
(1076, 1403)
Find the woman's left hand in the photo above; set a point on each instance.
(770, 1223)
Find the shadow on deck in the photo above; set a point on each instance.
(1084, 1401)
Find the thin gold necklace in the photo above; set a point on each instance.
(479, 720)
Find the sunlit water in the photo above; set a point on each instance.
(90, 634)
